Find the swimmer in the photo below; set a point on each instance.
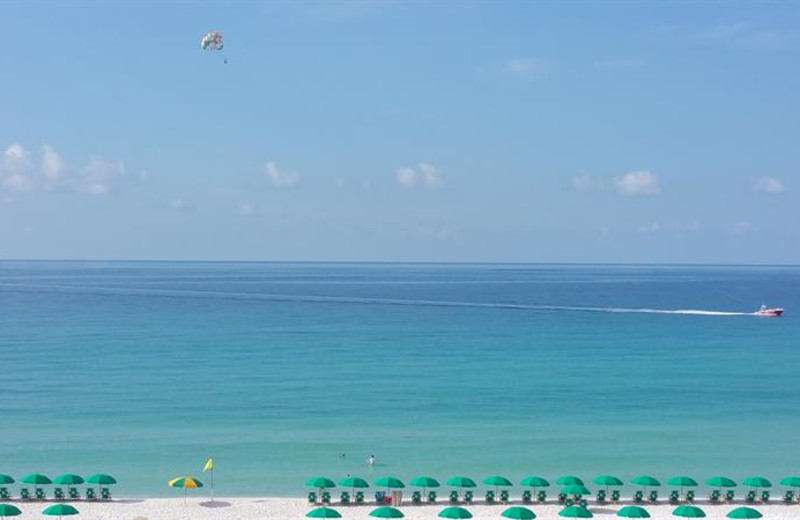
(371, 460)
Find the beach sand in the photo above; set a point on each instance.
(253, 508)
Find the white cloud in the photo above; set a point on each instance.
(741, 228)
(281, 178)
(650, 228)
(638, 183)
(525, 67)
(17, 182)
(99, 176)
(586, 182)
(15, 173)
(744, 35)
(16, 158)
(769, 185)
(52, 166)
(425, 175)
(245, 209)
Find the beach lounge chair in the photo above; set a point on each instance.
(568, 502)
(653, 498)
(380, 497)
(40, 494)
(541, 496)
(416, 498)
(562, 498)
(765, 496)
(638, 497)
(526, 496)
(58, 494)
(359, 497)
(601, 496)
(90, 494)
(312, 497)
(788, 497)
(674, 497)
(73, 493)
(615, 496)
(729, 496)
(504, 496)
(490, 497)
(468, 497)
(345, 498)
(431, 497)
(326, 498)
(24, 494)
(714, 496)
(690, 496)
(4, 494)
(105, 493)
(751, 497)
(583, 503)
(454, 497)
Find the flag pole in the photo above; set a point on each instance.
(212, 483)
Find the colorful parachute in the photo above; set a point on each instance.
(212, 41)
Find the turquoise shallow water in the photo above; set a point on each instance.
(144, 369)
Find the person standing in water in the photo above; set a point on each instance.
(371, 460)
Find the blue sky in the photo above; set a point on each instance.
(401, 131)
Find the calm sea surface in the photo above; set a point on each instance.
(143, 369)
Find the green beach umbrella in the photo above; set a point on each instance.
(6, 479)
(689, 512)
(424, 482)
(645, 480)
(36, 478)
(323, 512)
(102, 479)
(575, 512)
(568, 480)
(757, 482)
(386, 512)
(9, 510)
(744, 512)
(497, 480)
(389, 482)
(607, 480)
(320, 482)
(719, 481)
(60, 510)
(575, 489)
(790, 481)
(633, 512)
(518, 513)
(354, 482)
(534, 481)
(68, 479)
(454, 512)
(461, 482)
(682, 481)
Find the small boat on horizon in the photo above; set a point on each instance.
(769, 311)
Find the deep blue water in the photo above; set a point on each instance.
(142, 369)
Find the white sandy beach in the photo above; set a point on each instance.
(254, 508)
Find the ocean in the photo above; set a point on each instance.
(284, 371)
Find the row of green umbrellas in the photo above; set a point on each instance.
(65, 479)
(536, 481)
(58, 510)
(523, 513)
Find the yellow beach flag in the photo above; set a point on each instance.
(209, 465)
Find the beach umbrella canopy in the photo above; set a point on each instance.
(101, 478)
(462, 482)
(575, 489)
(682, 481)
(424, 482)
(534, 481)
(36, 478)
(353, 482)
(185, 482)
(633, 512)
(320, 482)
(645, 480)
(68, 479)
(757, 482)
(568, 480)
(744, 512)
(607, 480)
(688, 512)
(497, 480)
(323, 512)
(454, 512)
(518, 513)
(6, 479)
(389, 482)
(720, 481)
(386, 512)
(60, 510)
(790, 481)
(575, 512)
(9, 510)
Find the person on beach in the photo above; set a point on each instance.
(371, 460)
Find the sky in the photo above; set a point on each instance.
(474, 131)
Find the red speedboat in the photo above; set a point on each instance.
(772, 311)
